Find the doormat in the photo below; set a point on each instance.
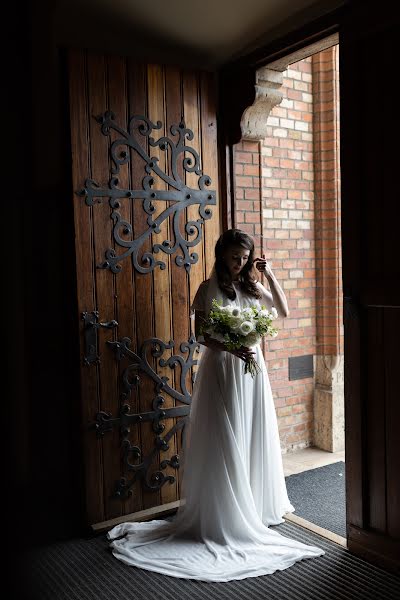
(319, 496)
(85, 569)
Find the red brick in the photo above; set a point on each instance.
(250, 146)
(253, 194)
(252, 217)
(251, 170)
(243, 157)
(244, 181)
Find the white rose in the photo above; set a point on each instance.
(235, 322)
(246, 327)
(264, 313)
(274, 312)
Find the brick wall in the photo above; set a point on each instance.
(326, 140)
(248, 207)
(274, 202)
(288, 229)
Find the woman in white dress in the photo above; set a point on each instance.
(233, 481)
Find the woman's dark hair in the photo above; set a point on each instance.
(235, 237)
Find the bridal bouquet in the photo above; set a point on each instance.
(236, 327)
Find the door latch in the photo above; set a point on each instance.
(91, 326)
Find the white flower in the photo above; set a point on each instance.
(253, 338)
(235, 322)
(247, 313)
(263, 313)
(274, 312)
(235, 311)
(246, 327)
(226, 308)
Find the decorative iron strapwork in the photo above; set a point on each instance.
(178, 195)
(130, 379)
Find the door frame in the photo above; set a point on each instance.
(234, 99)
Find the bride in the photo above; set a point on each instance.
(233, 481)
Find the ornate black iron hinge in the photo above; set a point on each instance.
(177, 196)
(139, 365)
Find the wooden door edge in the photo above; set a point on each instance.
(142, 515)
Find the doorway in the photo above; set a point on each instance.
(287, 195)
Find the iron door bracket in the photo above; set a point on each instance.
(91, 326)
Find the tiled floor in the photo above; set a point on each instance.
(309, 458)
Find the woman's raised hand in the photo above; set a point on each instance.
(262, 265)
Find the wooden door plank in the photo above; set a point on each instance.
(391, 328)
(124, 290)
(105, 279)
(179, 275)
(140, 435)
(83, 215)
(192, 116)
(375, 422)
(191, 109)
(209, 153)
(161, 277)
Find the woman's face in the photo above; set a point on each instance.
(235, 258)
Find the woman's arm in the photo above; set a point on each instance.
(276, 295)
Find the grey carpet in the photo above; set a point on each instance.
(319, 495)
(84, 569)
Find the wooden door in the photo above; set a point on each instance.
(371, 281)
(145, 178)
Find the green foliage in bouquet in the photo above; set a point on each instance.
(236, 327)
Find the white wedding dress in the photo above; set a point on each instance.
(233, 480)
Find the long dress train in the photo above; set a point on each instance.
(233, 482)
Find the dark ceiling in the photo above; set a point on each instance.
(207, 33)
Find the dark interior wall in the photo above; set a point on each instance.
(16, 143)
(41, 490)
(50, 487)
